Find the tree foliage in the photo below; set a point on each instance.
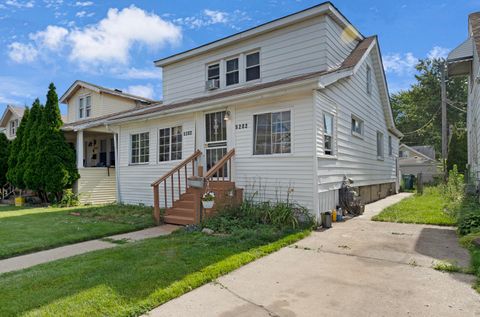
(17, 155)
(417, 111)
(457, 151)
(4, 150)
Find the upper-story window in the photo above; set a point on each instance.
(369, 79)
(380, 145)
(252, 70)
(232, 72)
(13, 127)
(85, 107)
(390, 146)
(213, 72)
(357, 126)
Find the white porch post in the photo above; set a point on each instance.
(80, 149)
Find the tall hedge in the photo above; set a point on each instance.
(32, 167)
(4, 150)
(17, 155)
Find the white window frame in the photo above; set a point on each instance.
(84, 108)
(252, 66)
(232, 71)
(361, 125)
(331, 135)
(390, 146)
(170, 130)
(219, 70)
(380, 145)
(139, 148)
(272, 154)
(369, 80)
(13, 127)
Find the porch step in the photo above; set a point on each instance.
(178, 220)
(183, 212)
(184, 204)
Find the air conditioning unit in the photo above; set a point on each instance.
(213, 84)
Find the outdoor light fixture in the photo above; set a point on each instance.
(227, 116)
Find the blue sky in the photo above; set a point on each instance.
(114, 43)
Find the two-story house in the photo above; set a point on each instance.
(284, 109)
(88, 106)
(465, 60)
(11, 120)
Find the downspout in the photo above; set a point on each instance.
(117, 162)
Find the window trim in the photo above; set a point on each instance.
(13, 127)
(231, 72)
(369, 80)
(207, 66)
(390, 146)
(380, 156)
(170, 144)
(362, 126)
(292, 133)
(82, 111)
(257, 65)
(333, 149)
(130, 148)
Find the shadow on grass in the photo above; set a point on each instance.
(129, 279)
(48, 228)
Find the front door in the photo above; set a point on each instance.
(215, 139)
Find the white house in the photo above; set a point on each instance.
(88, 104)
(10, 121)
(464, 60)
(285, 109)
(418, 159)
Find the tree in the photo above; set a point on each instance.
(57, 164)
(457, 151)
(32, 167)
(4, 149)
(417, 111)
(16, 158)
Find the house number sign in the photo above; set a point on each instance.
(241, 126)
(187, 133)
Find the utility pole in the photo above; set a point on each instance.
(444, 120)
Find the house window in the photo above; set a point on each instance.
(272, 133)
(213, 72)
(390, 146)
(232, 73)
(170, 144)
(357, 126)
(85, 107)
(379, 144)
(328, 134)
(252, 66)
(369, 79)
(13, 127)
(140, 144)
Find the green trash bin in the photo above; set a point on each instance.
(408, 181)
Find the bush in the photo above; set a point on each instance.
(69, 199)
(251, 215)
(469, 222)
(454, 189)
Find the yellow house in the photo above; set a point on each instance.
(10, 121)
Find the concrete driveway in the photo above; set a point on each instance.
(357, 268)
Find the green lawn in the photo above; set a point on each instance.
(135, 277)
(422, 209)
(24, 230)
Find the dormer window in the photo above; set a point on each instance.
(252, 66)
(85, 107)
(232, 74)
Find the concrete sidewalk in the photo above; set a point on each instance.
(357, 268)
(28, 260)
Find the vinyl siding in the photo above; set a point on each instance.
(285, 52)
(473, 118)
(355, 157)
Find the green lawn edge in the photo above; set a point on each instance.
(210, 273)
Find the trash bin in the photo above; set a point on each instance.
(327, 219)
(408, 181)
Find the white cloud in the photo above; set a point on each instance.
(208, 17)
(216, 16)
(141, 90)
(20, 4)
(111, 39)
(438, 52)
(22, 53)
(53, 37)
(83, 3)
(82, 14)
(400, 64)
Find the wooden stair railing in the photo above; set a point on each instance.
(217, 172)
(177, 170)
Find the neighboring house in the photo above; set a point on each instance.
(89, 104)
(418, 159)
(11, 120)
(464, 60)
(295, 105)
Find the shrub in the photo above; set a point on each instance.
(454, 189)
(469, 222)
(69, 199)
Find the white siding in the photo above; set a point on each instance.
(339, 44)
(473, 118)
(135, 180)
(293, 50)
(355, 157)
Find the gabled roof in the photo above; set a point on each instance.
(460, 59)
(417, 152)
(99, 89)
(17, 110)
(325, 8)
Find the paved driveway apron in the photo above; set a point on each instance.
(357, 268)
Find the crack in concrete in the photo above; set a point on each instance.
(269, 312)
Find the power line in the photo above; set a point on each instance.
(425, 125)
